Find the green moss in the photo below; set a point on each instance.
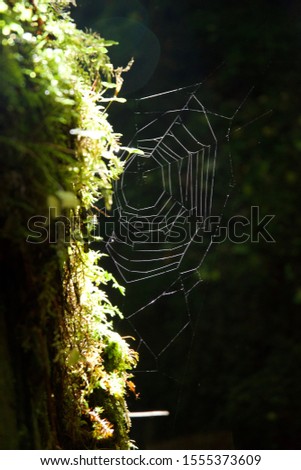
(58, 157)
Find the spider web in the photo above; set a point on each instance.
(168, 207)
(164, 200)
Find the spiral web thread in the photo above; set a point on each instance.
(164, 200)
(169, 205)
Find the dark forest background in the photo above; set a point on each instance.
(240, 384)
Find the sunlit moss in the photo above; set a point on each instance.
(58, 151)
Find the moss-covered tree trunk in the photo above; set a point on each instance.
(27, 405)
(63, 369)
(8, 412)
